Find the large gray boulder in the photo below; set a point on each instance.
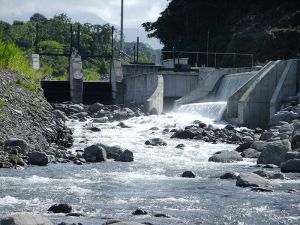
(95, 107)
(250, 153)
(38, 158)
(112, 152)
(25, 219)
(258, 145)
(226, 157)
(282, 116)
(292, 155)
(291, 166)
(156, 142)
(252, 180)
(60, 208)
(127, 223)
(15, 142)
(59, 115)
(126, 156)
(94, 153)
(274, 152)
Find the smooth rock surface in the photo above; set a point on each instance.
(25, 219)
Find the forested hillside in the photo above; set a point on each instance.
(54, 35)
(269, 29)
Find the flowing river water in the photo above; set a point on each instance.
(152, 182)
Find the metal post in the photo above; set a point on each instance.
(112, 51)
(233, 60)
(71, 40)
(207, 49)
(37, 38)
(252, 63)
(134, 51)
(174, 56)
(197, 62)
(215, 60)
(122, 16)
(137, 49)
(78, 38)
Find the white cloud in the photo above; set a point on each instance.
(135, 11)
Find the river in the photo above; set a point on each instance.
(152, 182)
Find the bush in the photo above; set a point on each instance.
(12, 58)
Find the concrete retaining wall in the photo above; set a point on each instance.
(254, 105)
(232, 103)
(155, 102)
(287, 86)
(178, 84)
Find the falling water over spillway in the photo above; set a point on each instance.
(206, 110)
(231, 83)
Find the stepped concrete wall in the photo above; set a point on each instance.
(287, 86)
(155, 102)
(254, 105)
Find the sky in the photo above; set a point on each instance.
(135, 11)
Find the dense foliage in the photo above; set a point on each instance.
(57, 35)
(269, 29)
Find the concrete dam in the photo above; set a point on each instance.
(238, 95)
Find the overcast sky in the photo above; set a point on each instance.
(136, 11)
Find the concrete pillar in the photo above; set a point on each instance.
(35, 61)
(76, 78)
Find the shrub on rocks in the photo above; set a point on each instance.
(60, 208)
(226, 157)
(274, 152)
(94, 153)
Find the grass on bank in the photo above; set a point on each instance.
(2, 102)
(29, 85)
(11, 57)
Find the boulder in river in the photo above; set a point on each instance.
(25, 219)
(250, 153)
(38, 158)
(269, 175)
(94, 108)
(156, 142)
(94, 153)
(291, 166)
(186, 134)
(274, 152)
(226, 157)
(229, 175)
(252, 180)
(126, 156)
(180, 146)
(139, 212)
(60, 208)
(188, 174)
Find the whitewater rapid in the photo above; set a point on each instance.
(152, 182)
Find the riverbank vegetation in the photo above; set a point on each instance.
(57, 35)
(268, 29)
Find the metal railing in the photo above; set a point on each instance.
(212, 59)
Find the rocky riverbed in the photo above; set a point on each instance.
(108, 164)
